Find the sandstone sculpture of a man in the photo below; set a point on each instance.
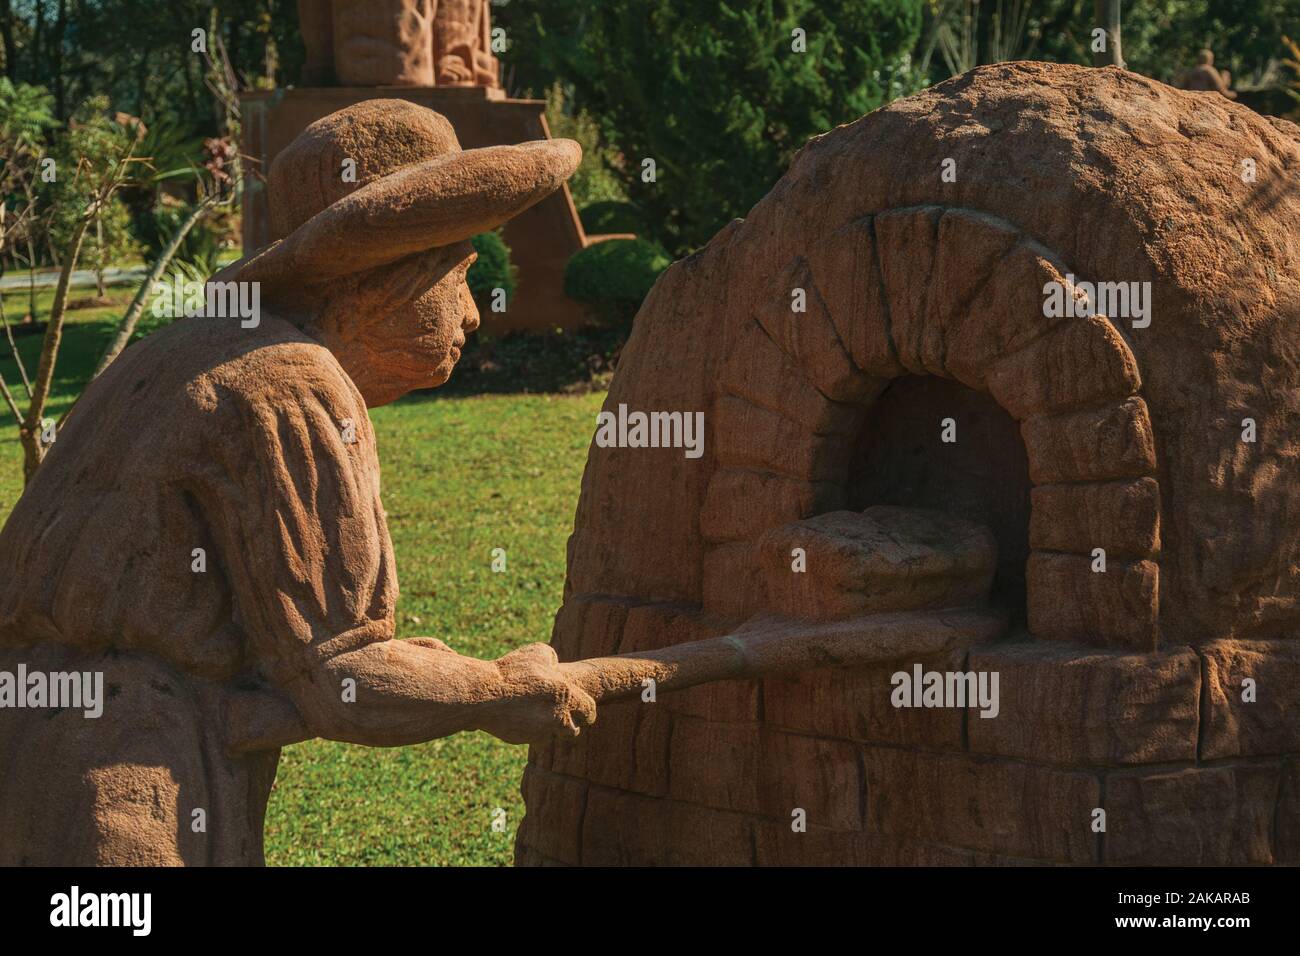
(251, 447)
(1206, 78)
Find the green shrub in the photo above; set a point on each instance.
(200, 249)
(111, 244)
(612, 216)
(87, 159)
(492, 270)
(716, 94)
(615, 275)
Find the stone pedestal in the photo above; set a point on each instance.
(541, 239)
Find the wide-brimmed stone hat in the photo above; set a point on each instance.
(384, 179)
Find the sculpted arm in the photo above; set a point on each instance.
(305, 545)
(411, 691)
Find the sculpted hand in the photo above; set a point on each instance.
(538, 700)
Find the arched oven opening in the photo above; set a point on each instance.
(929, 442)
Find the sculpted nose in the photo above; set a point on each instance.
(470, 322)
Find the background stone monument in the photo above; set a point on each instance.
(435, 53)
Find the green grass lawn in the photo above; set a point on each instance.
(461, 476)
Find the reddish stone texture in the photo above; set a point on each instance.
(1074, 706)
(620, 829)
(1115, 687)
(1071, 600)
(1091, 445)
(853, 704)
(1120, 517)
(1288, 814)
(767, 773)
(1197, 816)
(778, 844)
(996, 806)
(554, 802)
(640, 765)
(1270, 724)
(884, 559)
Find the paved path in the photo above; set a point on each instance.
(81, 278)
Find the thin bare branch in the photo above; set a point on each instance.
(13, 349)
(126, 327)
(9, 400)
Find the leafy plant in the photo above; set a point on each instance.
(98, 158)
(612, 217)
(1292, 63)
(26, 114)
(615, 275)
(492, 270)
(719, 96)
(599, 178)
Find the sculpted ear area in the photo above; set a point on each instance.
(352, 306)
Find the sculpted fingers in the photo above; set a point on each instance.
(582, 708)
(432, 643)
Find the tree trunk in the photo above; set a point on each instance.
(99, 259)
(1106, 16)
(30, 433)
(60, 28)
(38, 36)
(7, 36)
(31, 280)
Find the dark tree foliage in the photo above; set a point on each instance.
(711, 90)
(138, 52)
(1162, 37)
(714, 93)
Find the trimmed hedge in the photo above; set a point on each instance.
(615, 275)
(611, 216)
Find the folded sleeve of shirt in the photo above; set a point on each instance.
(292, 496)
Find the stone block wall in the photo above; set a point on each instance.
(1186, 771)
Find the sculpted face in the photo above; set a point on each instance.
(402, 327)
(343, 268)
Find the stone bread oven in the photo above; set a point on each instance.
(1147, 713)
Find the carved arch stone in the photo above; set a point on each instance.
(957, 294)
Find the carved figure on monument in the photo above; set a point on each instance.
(420, 43)
(462, 44)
